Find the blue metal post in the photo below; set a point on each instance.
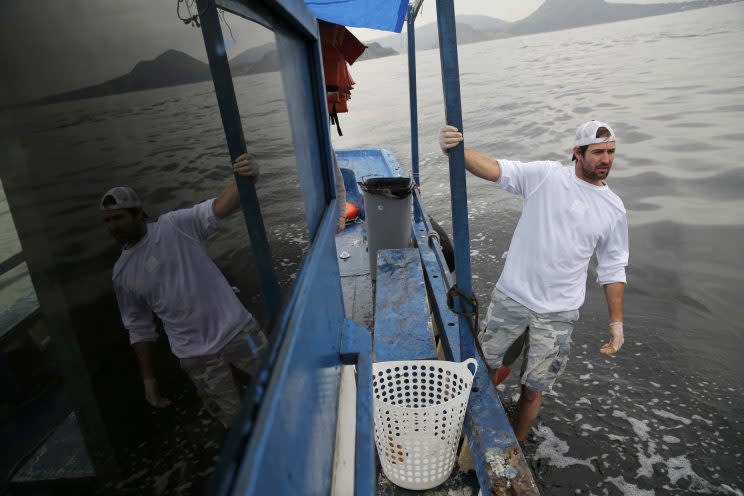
(223, 86)
(413, 10)
(486, 425)
(458, 188)
(412, 93)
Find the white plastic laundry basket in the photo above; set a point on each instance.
(419, 409)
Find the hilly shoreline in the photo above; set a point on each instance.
(552, 15)
(173, 68)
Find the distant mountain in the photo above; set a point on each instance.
(552, 15)
(375, 51)
(481, 23)
(263, 58)
(270, 60)
(174, 68)
(252, 55)
(427, 36)
(171, 68)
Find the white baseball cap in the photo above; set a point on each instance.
(586, 134)
(124, 197)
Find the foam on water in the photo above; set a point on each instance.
(669, 415)
(554, 450)
(631, 415)
(698, 417)
(640, 427)
(629, 489)
(677, 469)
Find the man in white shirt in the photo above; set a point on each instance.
(165, 269)
(568, 214)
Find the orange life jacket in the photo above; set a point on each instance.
(352, 211)
(339, 48)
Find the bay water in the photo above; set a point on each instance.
(664, 415)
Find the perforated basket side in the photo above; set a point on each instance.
(419, 411)
(420, 384)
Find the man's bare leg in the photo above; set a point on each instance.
(528, 407)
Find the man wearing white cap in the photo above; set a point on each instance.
(165, 269)
(569, 213)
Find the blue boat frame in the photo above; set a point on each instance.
(283, 441)
(302, 368)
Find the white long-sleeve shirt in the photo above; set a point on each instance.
(170, 273)
(564, 220)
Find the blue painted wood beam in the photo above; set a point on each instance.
(302, 77)
(438, 282)
(280, 428)
(294, 12)
(223, 86)
(356, 349)
(256, 13)
(402, 327)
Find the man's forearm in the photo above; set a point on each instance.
(482, 165)
(143, 350)
(227, 203)
(614, 293)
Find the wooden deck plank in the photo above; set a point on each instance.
(438, 283)
(403, 329)
(356, 283)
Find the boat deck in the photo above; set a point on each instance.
(496, 455)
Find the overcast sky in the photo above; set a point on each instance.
(50, 46)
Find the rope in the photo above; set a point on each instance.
(472, 316)
(224, 19)
(192, 18)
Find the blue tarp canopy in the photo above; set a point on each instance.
(385, 15)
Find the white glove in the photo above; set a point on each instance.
(152, 396)
(616, 339)
(449, 137)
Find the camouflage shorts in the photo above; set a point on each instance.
(548, 342)
(213, 378)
